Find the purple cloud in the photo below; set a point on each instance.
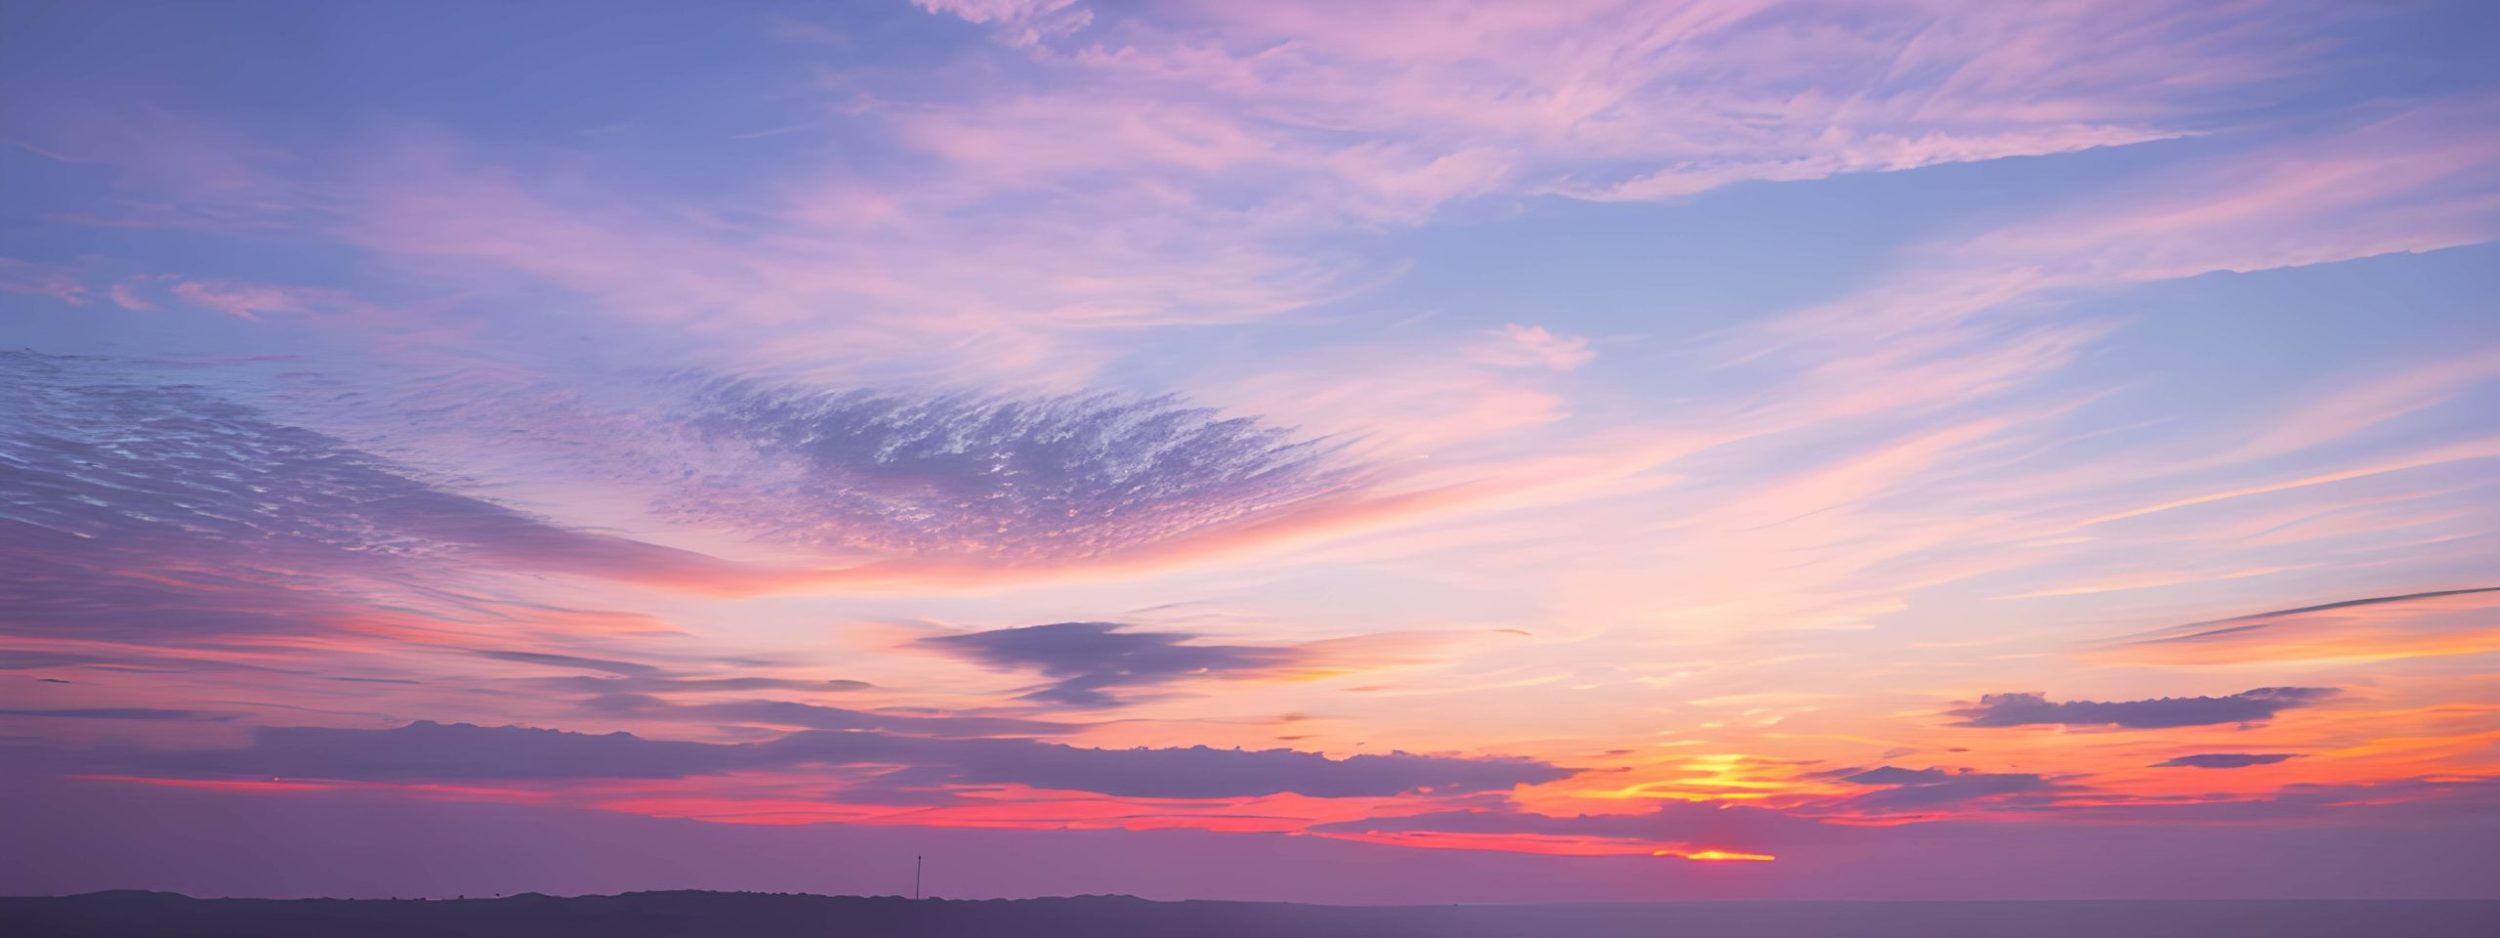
(628, 668)
(2414, 799)
(816, 717)
(115, 713)
(110, 533)
(1669, 822)
(1052, 478)
(1204, 772)
(428, 751)
(1089, 660)
(1908, 789)
(929, 476)
(662, 684)
(2000, 710)
(2224, 760)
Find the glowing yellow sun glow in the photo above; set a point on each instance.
(1718, 856)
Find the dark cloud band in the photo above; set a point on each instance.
(2253, 706)
(427, 751)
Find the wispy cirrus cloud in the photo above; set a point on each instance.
(2379, 184)
(2241, 625)
(2435, 623)
(1268, 129)
(1429, 102)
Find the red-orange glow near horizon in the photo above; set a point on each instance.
(1544, 845)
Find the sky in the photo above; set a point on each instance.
(1438, 452)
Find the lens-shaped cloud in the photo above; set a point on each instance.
(1088, 661)
(2224, 760)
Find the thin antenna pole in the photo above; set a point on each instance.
(915, 878)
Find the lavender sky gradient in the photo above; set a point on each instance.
(1462, 451)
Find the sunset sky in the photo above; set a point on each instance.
(1403, 452)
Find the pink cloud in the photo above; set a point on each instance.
(2407, 182)
(253, 300)
(1514, 345)
(31, 279)
(2386, 395)
(126, 296)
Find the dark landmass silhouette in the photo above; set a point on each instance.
(652, 914)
